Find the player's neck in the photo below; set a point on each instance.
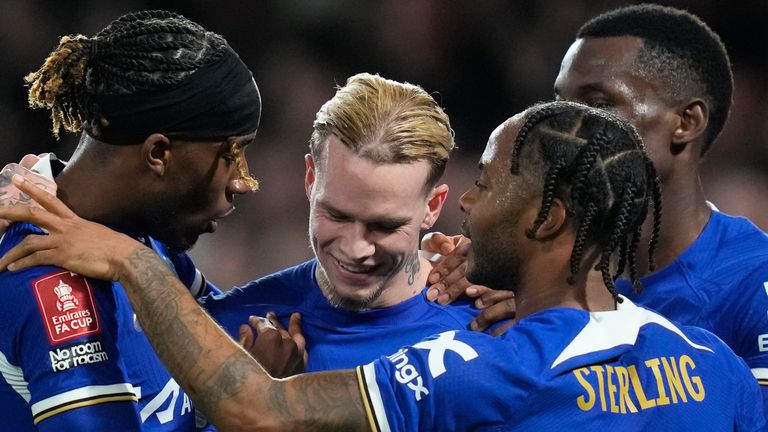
(543, 284)
(93, 191)
(684, 215)
(406, 284)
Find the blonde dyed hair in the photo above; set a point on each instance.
(385, 121)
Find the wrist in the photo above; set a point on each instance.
(132, 261)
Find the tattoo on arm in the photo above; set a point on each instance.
(226, 383)
(412, 267)
(324, 401)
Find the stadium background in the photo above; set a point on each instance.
(483, 60)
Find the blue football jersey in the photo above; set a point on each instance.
(719, 283)
(336, 338)
(73, 357)
(566, 369)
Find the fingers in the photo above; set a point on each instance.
(437, 242)
(500, 330)
(493, 314)
(488, 297)
(245, 338)
(29, 252)
(47, 200)
(448, 276)
(451, 262)
(16, 212)
(294, 330)
(448, 290)
(261, 324)
(29, 160)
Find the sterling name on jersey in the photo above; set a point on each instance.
(72, 356)
(719, 283)
(566, 369)
(336, 338)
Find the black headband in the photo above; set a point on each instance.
(217, 101)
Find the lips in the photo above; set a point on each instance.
(213, 224)
(465, 229)
(354, 273)
(352, 268)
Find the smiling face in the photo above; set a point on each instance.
(499, 208)
(364, 225)
(202, 180)
(602, 72)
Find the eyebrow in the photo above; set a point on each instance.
(386, 220)
(594, 86)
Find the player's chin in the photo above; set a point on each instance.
(474, 274)
(182, 243)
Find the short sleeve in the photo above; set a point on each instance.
(743, 321)
(416, 388)
(59, 338)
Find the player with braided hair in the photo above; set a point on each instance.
(577, 359)
(604, 195)
(166, 109)
(667, 72)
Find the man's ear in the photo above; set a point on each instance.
(309, 175)
(434, 206)
(693, 122)
(555, 221)
(156, 152)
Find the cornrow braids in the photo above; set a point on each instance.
(138, 52)
(596, 164)
(550, 182)
(654, 185)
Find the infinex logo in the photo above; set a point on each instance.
(66, 304)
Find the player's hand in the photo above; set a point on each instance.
(70, 241)
(496, 306)
(282, 353)
(447, 279)
(9, 194)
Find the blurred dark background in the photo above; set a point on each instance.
(483, 60)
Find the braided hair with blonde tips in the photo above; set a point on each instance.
(140, 51)
(596, 164)
(136, 55)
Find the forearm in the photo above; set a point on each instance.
(223, 380)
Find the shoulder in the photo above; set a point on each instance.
(736, 242)
(459, 313)
(15, 234)
(730, 256)
(286, 286)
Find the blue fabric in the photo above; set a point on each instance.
(114, 357)
(524, 381)
(719, 283)
(336, 338)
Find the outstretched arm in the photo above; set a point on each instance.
(223, 380)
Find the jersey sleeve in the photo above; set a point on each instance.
(743, 324)
(752, 415)
(60, 339)
(188, 273)
(427, 386)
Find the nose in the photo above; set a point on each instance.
(467, 200)
(238, 186)
(240, 181)
(355, 244)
